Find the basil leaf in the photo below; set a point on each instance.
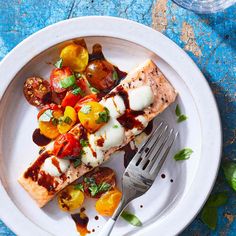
(77, 162)
(85, 109)
(59, 63)
(94, 90)
(79, 187)
(183, 154)
(115, 126)
(209, 217)
(103, 116)
(67, 120)
(77, 91)
(46, 116)
(84, 143)
(93, 189)
(181, 118)
(89, 180)
(103, 187)
(177, 110)
(68, 81)
(230, 173)
(217, 200)
(115, 75)
(55, 121)
(132, 219)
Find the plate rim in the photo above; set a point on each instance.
(133, 32)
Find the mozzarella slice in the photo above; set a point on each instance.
(140, 98)
(144, 121)
(115, 105)
(55, 166)
(112, 135)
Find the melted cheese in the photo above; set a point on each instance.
(140, 98)
(55, 170)
(112, 134)
(144, 121)
(115, 105)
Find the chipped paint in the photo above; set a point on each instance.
(159, 17)
(188, 37)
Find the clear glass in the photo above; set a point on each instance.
(205, 6)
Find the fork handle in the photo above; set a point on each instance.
(106, 230)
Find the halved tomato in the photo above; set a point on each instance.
(88, 98)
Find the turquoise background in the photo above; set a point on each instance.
(210, 40)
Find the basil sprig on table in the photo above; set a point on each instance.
(230, 173)
(209, 214)
(181, 117)
(183, 154)
(131, 218)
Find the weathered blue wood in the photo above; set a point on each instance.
(209, 39)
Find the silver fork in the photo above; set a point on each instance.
(143, 169)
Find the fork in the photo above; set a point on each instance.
(143, 169)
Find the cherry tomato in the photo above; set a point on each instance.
(37, 91)
(90, 117)
(99, 175)
(66, 145)
(101, 75)
(52, 106)
(88, 98)
(57, 75)
(70, 99)
(68, 120)
(75, 56)
(70, 199)
(108, 202)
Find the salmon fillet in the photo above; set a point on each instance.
(146, 74)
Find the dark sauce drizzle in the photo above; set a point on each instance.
(39, 139)
(81, 221)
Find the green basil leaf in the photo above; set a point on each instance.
(94, 90)
(55, 121)
(67, 120)
(84, 143)
(59, 63)
(177, 110)
(77, 162)
(131, 218)
(46, 116)
(209, 217)
(85, 109)
(115, 75)
(79, 187)
(230, 173)
(89, 180)
(103, 187)
(103, 116)
(217, 200)
(77, 91)
(68, 81)
(181, 118)
(183, 154)
(93, 189)
(115, 126)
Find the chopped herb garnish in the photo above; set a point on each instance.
(101, 188)
(76, 162)
(79, 187)
(59, 63)
(77, 91)
(68, 120)
(183, 154)
(103, 116)
(77, 75)
(55, 121)
(181, 117)
(84, 143)
(68, 81)
(46, 116)
(115, 75)
(94, 90)
(230, 173)
(209, 212)
(115, 126)
(85, 109)
(89, 180)
(131, 218)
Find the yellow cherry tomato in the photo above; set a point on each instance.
(70, 198)
(108, 202)
(75, 56)
(68, 120)
(93, 115)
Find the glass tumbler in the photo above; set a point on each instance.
(205, 6)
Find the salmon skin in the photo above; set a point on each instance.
(42, 187)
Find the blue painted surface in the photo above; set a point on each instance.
(209, 39)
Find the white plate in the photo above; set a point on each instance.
(167, 207)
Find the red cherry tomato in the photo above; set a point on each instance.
(52, 106)
(57, 75)
(70, 99)
(81, 82)
(66, 145)
(88, 98)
